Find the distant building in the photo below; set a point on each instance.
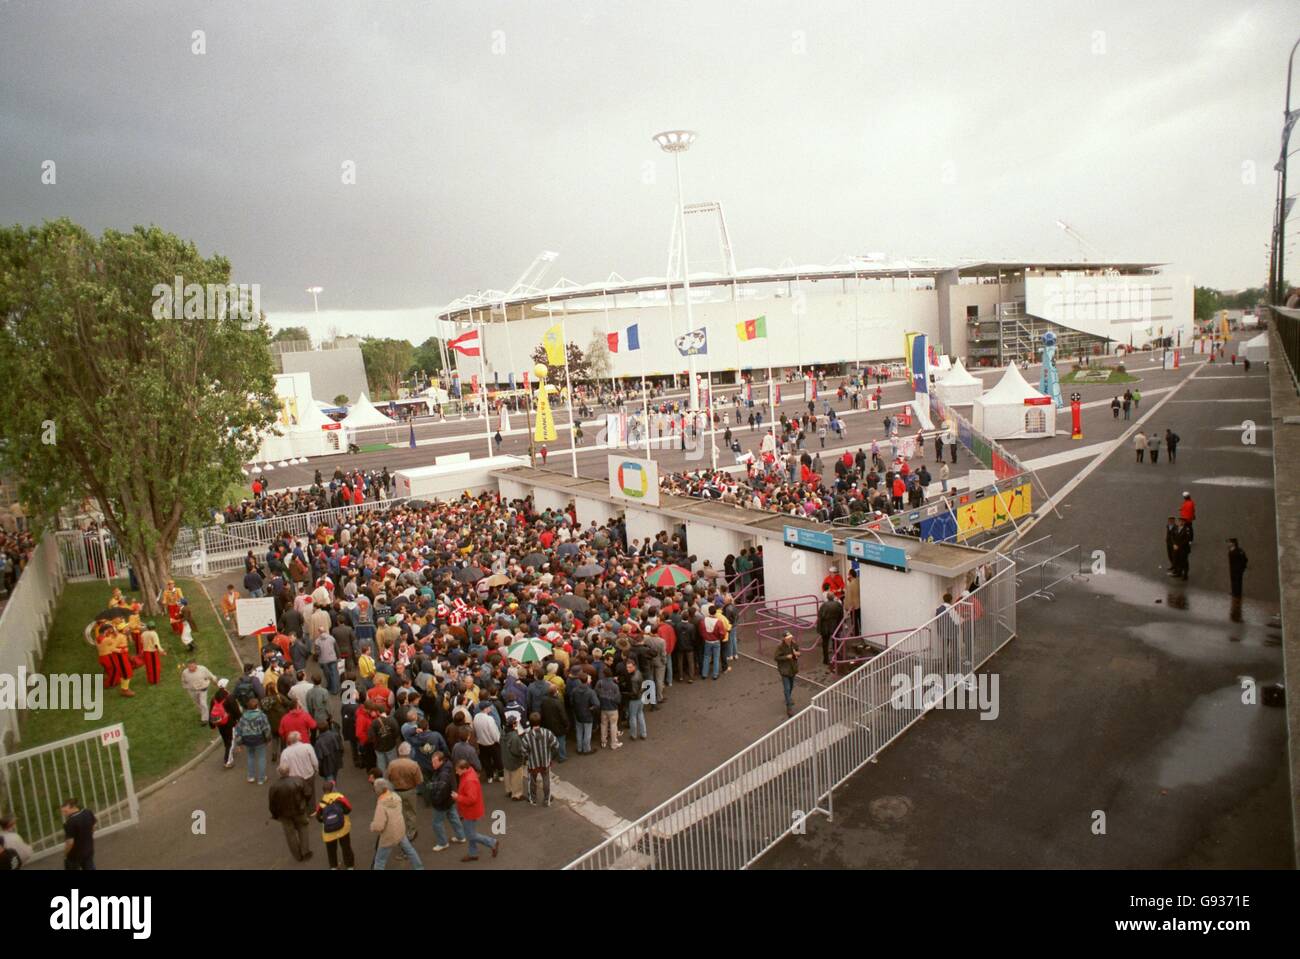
(336, 366)
(986, 312)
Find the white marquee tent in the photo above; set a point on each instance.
(301, 429)
(959, 387)
(1256, 350)
(364, 413)
(1003, 414)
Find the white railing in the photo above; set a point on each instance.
(734, 814)
(93, 768)
(25, 621)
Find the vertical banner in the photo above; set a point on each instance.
(615, 430)
(544, 431)
(503, 420)
(916, 359)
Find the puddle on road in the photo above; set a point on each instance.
(1202, 642)
(1156, 590)
(1235, 481)
(1214, 741)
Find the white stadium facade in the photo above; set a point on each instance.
(987, 313)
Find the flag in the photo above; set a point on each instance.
(634, 337)
(512, 380)
(915, 357)
(467, 344)
(749, 390)
(755, 329)
(553, 341)
(612, 339)
(412, 436)
(693, 343)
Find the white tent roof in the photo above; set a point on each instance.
(1261, 340)
(365, 413)
(960, 376)
(1011, 389)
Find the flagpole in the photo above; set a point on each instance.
(605, 298)
(771, 394)
(568, 389)
(482, 382)
(645, 394)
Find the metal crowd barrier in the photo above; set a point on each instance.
(736, 813)
(94, 768)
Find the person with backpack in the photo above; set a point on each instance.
(247, 687)
(222, 716)
(253, 733)
(334, 813)
(384, 735)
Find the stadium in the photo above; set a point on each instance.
(985, 312)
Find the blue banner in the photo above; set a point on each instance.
(803, 538)
(877, 554)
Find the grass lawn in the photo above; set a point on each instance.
(1085, 376)
(161, 721)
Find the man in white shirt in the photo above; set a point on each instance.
(299, 760)
(299, 690)
(488, 735)
(195, 680)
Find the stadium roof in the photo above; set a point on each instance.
(869, 267)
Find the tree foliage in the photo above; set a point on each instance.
(148, 409)
(428, 357)
(579, 368)
(1207, 303)
(386, 361)
(599, 360)
(291, 334)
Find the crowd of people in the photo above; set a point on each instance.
(345, 488)
(16, 548)
(447, 648)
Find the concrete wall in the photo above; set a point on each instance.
(712, 543)
(986, 296)
(513, 490)
(791, 572)
(332, 372)
(833, 325)
(645, 524)
(592, 509)
(544, 499)
(893, 600)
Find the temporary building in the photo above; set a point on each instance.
(1256, 350)
(1014, 410)
(959, 387)
(301, 429)
(364, 413)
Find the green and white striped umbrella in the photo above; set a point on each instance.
(529, 650)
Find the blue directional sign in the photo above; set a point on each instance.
(877, 554)
(801, 538)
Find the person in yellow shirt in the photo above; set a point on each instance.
(366, 665)
(729, 651)
(113, 644)
(151, 648)
(134, 627)
(335, 810)
(171, 598)
(228, 602)
(105, 644)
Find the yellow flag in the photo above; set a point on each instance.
(553, 341)
(544, 431)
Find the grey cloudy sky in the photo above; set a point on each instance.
(485, 132)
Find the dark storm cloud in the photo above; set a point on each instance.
(483, 133)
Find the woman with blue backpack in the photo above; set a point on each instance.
(253, 732)
(334, 813)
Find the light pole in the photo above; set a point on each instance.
(678, 142)
(1289, 118)
(315, 291)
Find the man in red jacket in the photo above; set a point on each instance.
(1187, 511)
(469, 803)
(296, 720)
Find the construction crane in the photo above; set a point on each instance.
(1084, 246)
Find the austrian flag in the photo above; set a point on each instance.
(466, 344)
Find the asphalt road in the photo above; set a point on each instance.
(1122, 738)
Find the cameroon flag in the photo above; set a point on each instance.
(755, 329)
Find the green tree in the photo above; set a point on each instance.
(428, 357)
(341, 400)
(599, 360)
(579, 368)
(386, 361)
(115, 393)
(290, 334)
(1207, 303)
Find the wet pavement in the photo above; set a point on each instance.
(1130, 731)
